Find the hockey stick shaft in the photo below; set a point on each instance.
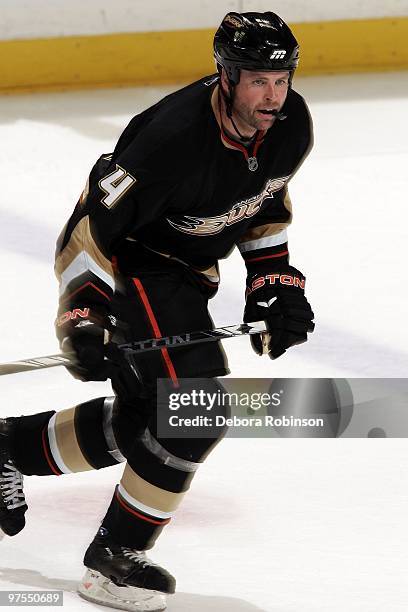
(132, 348)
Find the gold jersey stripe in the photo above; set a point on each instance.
(268, 229)
(82, 241)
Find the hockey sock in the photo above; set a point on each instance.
(153, 484)
(73, 440)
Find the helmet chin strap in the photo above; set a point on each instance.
(229, 100)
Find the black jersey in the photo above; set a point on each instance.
(178, 185)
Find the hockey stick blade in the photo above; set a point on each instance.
(131, 348)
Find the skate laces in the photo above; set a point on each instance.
(11, 483)
(137, 555)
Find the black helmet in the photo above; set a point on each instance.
(254, 41)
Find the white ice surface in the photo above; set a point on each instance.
(272, 525)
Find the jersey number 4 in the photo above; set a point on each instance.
(115, 186)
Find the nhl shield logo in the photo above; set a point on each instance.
(252, 164)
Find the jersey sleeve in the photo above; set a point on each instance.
(266, 241)
(121, 196)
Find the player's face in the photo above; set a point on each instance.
(257, 94)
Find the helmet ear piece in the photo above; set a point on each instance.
(226, 86)
(232, 72)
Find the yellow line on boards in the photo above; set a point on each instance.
(146, 58)
(369, 45)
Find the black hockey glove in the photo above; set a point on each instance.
(278, 298)
(86, 333)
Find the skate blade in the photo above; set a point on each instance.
(97, 588)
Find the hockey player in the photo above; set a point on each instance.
(201, 171)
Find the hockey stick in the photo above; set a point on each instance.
(132, 348)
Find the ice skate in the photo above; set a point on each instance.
(123, 578)
(12, 500)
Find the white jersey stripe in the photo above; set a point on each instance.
(52, 439)
(82, 263)
(262, 243)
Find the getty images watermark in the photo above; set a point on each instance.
(283, 408)
(236, 407)
(252, 402)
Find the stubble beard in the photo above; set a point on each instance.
(247, 117)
